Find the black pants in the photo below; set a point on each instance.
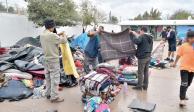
(186, 80)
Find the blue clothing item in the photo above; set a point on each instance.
(92, 47)
(80, 41)
(172, 38)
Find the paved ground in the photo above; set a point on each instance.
(163, 90)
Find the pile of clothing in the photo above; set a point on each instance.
(102, 82)
(96, 104)
(159, 64)
(21, 66)
(78, 55)
(128, 74)
(157, 57)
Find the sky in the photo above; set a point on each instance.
(127, 9)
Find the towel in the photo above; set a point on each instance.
(68, 62)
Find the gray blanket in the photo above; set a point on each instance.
(116, 45)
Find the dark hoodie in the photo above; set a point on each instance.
(144, 46)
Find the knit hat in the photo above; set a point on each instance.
(49, 23)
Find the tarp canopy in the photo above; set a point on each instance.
(81, 41)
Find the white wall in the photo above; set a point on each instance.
(14, 27)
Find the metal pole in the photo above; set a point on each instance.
(7, 6)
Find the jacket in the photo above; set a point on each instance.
(144, 46)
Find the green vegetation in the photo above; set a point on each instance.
(181, 14)
(153, 14)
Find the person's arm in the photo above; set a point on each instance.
(176, 61)
(179, 54)
(92, 34)
(60, 39)
(136, 38)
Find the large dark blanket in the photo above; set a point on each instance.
(15, 90)
(28, 40)
(116, 45)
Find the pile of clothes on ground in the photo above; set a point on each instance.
(128, 74)
(127, 71)
(157, 58)
(78, 55)
(102, 83)
(22, 71)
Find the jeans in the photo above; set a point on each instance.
(143, 72)
(90, 64)
(186, 80)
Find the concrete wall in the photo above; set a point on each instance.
(14, 27)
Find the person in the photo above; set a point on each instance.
(50, 43)
(186, 54)
(171, 37)
(164, 34)
(144, 43)
(92, 50)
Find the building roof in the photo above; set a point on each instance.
(157, 22)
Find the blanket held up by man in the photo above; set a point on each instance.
(116, 45)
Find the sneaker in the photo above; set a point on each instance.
(186, 98)
(57, 100)
(138, 88)
(145, 88)
(171, 60)
(167, 59)
(48, 97)
(182, 103)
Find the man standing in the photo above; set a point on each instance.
(50, 43)
(144, 43)
(171, 37)
(92, 50)
(164, 34)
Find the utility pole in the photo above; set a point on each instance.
(7, 6)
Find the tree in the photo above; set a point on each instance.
(62, 11)
(11, 10)
(90, 14)
(114, 20)
(181, 14)
(2, 7)
(153, 14)
(146, 15)
(139, 17)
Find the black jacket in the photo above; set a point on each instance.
(144, 45)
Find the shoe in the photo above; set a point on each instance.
(182, 103)
(57, 100)
(186, 98)
(171, 60)
(145, 88)
(167, 59)
(48, 97)
(138, 88)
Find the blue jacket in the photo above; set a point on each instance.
(92, 47)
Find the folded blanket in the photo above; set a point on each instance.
(117, 45)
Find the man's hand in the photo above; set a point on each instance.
(62, 34)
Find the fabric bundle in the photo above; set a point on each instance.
(128, 75)
(92, 83)
(95, 105)
(116, 45)
(68, 62)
